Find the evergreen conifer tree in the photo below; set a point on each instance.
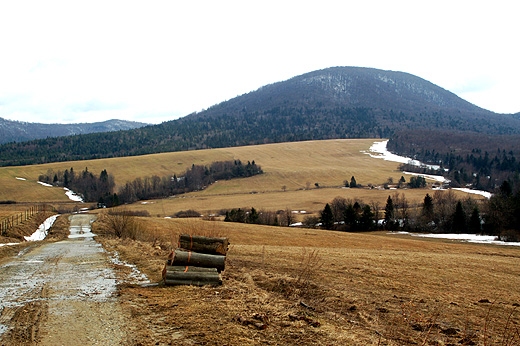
(326, 217)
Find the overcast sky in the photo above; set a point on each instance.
(153, 61)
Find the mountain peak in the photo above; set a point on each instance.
(369, 87)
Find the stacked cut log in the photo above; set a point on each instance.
(197, 261)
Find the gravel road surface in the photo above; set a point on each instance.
(61, 293)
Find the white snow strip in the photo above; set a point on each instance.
(438, 178)
(477, 192)
(41, 232)
(470, 238)
(378, 151)
(72, 195)
(20, 178)
(8, 244)
(379, 148)
(44, 184)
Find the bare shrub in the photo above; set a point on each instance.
(510, 235)
(122, 224)
(266, 217)
(285, 217)
(308, 268)
(310, 221)
(301, 284)
(499, 330)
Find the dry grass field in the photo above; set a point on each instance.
(290, 167)
(286, 286)
(294, 165)
(291, 164)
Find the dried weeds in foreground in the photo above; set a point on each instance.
(291, 286)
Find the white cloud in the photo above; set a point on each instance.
(69, 62)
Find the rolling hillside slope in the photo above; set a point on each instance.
(17, 131)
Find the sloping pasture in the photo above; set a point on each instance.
(293, 173)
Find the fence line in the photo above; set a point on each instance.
(10, 222)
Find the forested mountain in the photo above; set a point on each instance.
(18, 131)
(339, 102)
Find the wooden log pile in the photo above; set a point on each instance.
(197, 261)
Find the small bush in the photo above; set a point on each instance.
(142, 213)
(187, 213)
(122, 224)
(310, 221)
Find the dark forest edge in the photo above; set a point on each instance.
(474, 161)
(440, 212)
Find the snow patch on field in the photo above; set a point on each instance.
(41, 232)
(73, 196)
(464, 237)
(20, 178)
(378, 150)
(477, 192)
(438, 178)
(44, 184)
(8, 244)
(70, 194)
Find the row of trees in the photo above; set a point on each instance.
(467, 159)
(100, 189)
(196, 178)
(262, 217)
(92, 188)
(441, 212)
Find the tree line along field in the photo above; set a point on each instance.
(293, 167)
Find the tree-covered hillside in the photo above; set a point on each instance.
(18, 131)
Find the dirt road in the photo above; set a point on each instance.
(61, 293)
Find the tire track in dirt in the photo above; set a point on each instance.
(61, 293)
